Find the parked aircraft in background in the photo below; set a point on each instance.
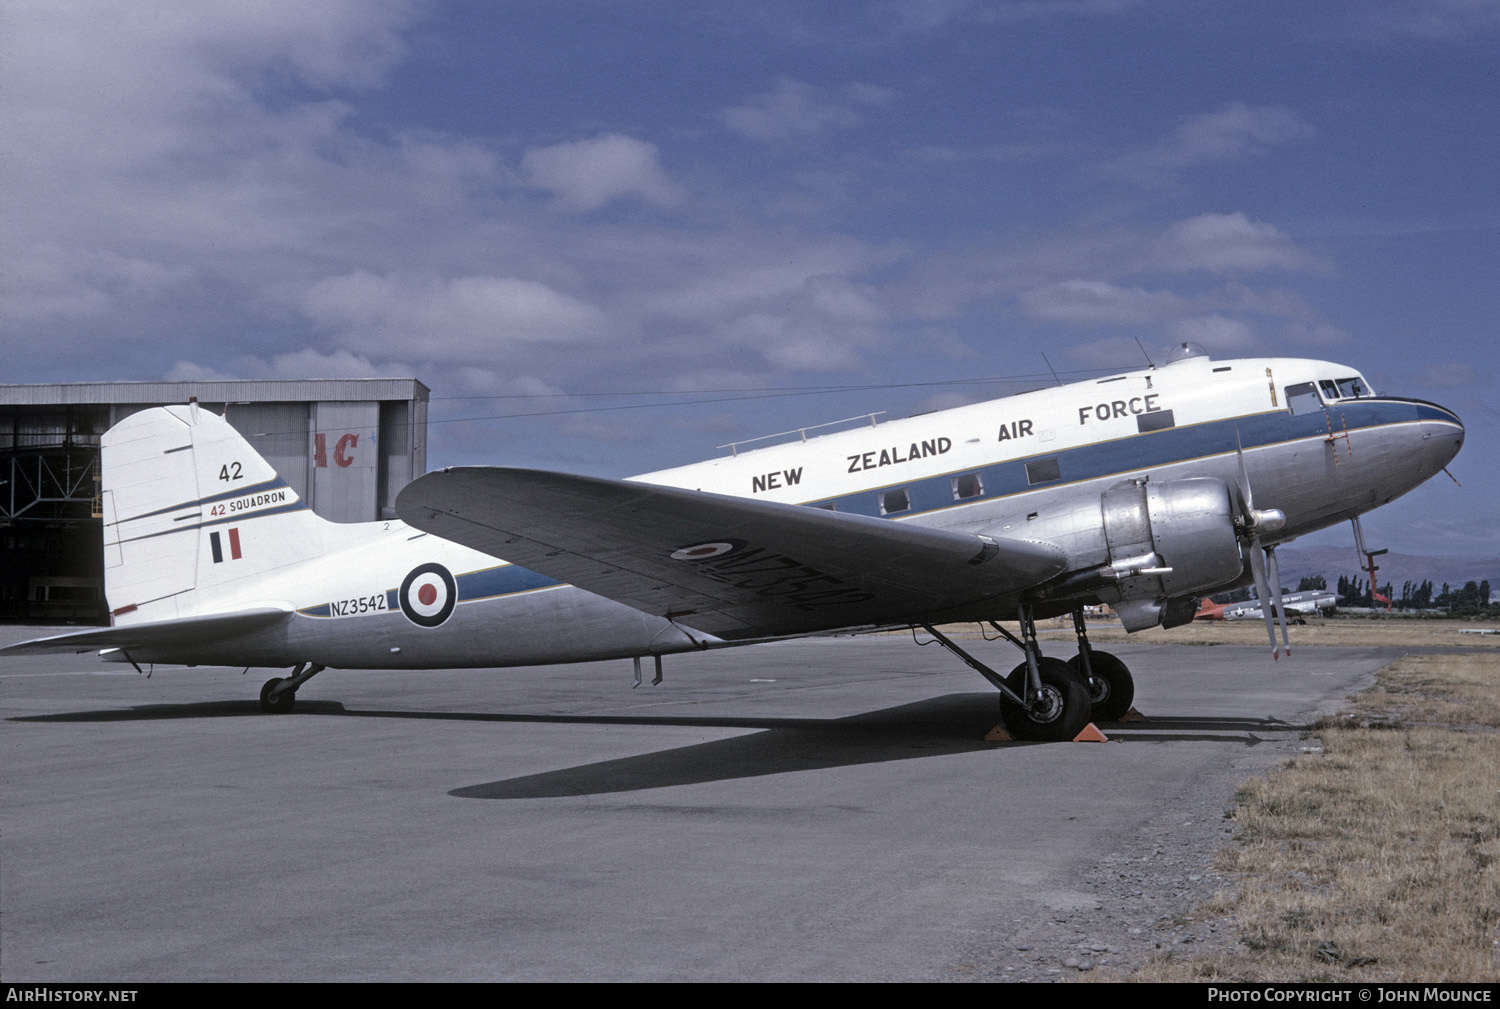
(1143, 490)
(1297, 604)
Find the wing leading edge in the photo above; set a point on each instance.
(728, 566)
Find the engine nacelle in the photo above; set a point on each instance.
(1146, 548)
(1168, 542)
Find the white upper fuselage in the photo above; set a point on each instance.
(1095, 431)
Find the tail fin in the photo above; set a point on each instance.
(191, 512)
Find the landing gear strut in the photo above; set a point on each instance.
(279, 695)
(1042, 699)
(1111, 687)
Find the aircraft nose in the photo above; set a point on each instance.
(1442, 433)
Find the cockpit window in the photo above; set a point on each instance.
(1352, 388)
(1303, 398)
(1330, 389)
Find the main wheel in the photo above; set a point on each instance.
(1112, 689)
(1057, 713)
(281, 703)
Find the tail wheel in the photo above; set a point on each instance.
(1112, 689)
(1056, 713)
(282, 702)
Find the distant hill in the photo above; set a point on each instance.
(1297, 563)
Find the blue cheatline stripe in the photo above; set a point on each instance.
(1144, 451)
(1431, 411)
(275, 484)
(504, 580)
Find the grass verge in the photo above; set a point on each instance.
(1375, 857)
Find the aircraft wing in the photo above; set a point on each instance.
(733, 567)
(185, 631)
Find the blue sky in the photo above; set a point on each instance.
(611, 236)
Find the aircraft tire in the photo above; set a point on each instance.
(1064, 708)
(279, 705)
(1114, 689)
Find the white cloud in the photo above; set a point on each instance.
(188, 371)
(1450, 374)
(304, 363)
(309, 363)
(447, 320)
(925, 16)
(825, 324)
(1216, 333)
(1315, 335)
(1240, 297)
(1099, 303)
(588, 174)
(144, 161)
(476, 380)
(1232, 133)
(1459, 20)
(55, 281)
(1118, 352)
(792, 109)
(1229, 243)
(719, 277)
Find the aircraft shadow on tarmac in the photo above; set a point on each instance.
(939, 726)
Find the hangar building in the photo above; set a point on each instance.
(346, 445)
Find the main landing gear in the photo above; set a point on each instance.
(1111, 687)
(1042, 699)
(1051, 700)
(279, 694)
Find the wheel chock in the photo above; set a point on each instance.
(1090, 734)
(1133, 716)
(999, 735)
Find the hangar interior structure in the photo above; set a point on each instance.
(347, 446)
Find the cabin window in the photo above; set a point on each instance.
(893, 501)
(1156, 420)
(1303, 398)
(969, 485)
(828, 506)
(1042, 470)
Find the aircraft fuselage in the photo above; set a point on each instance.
(1312, 441)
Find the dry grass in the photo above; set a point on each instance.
(1378, 858)
(1337, 630)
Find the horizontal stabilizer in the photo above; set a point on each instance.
(149, 637)
(728, 566)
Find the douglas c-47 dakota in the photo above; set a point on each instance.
(1143, 490)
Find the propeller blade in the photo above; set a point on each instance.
(1263, 591)
(1253, 523)
(1243, 479)
(1275, 575)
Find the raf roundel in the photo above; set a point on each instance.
(705, 551)
(428, 594)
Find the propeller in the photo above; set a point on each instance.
(1254, 522)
